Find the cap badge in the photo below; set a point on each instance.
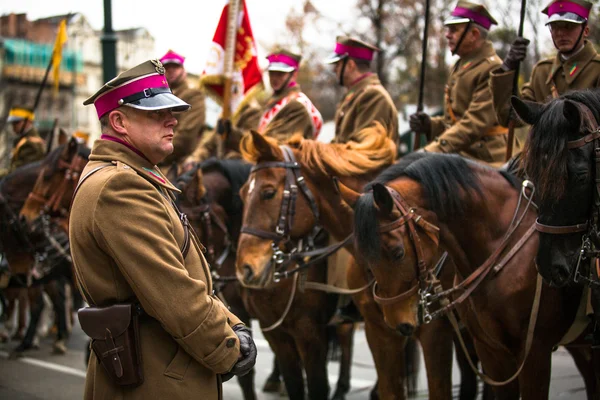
(158, 66)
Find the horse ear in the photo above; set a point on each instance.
(383, 199)
(571, 113)
(71, 148)
(268, 152)
(201, 190)
(348, 195)
(528, 111)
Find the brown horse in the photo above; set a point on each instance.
(485, 223)
(354, 164)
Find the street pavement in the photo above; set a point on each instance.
(42, 375)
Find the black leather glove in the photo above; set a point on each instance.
(516, 54)
(247, 350)
(420, 123)
(223, 126)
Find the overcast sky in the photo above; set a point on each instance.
(186, 26)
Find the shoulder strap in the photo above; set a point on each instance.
(83, 178)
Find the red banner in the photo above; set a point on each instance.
(246, 73)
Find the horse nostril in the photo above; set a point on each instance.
(561, 275)
(248, 274)
(405, 329)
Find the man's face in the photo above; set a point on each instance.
(565, 35)
(151, 132)
(337, 68)
(20, 126)
(278, 78)
(173, 72)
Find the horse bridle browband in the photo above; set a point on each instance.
(590, 227)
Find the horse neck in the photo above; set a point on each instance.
(472, 237)
(335, 215)
(220, 189)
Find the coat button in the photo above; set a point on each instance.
(443, 142)
(230, 343)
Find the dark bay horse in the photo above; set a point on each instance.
(562, 157)
(470, 208)
(320, 203)
(210, 199)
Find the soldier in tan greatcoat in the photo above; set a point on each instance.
(287, 112)
(366, 99)
(190, 125)
(576, 66)
(469, 125)
(28, 146)
(129, 246)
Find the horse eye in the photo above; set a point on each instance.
(267, 194)
(397, 253)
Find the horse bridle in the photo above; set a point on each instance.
(294, 181)
(426, 276)
(54, 204)
(590, 227)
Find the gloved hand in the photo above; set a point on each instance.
(247, 351)
(223, 126)
(420, 123)
(516, 54)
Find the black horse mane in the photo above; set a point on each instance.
(546, 152)
(444, 178)
(51, 160)
(236, 172)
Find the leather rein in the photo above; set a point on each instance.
(590, 227)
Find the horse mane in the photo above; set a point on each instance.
(370, 149)
(546, 151)
(444, 179)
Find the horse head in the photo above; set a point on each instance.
(277, 210)
(394, 240)
(560, 158)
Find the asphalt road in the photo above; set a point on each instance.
(42, 375)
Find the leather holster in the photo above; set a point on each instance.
(114, 331)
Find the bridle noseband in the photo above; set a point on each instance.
(590, 227)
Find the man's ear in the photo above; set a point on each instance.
(118, 121)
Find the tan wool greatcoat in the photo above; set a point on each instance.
(581, 71)
(469, 125)
(366, 101)
(190, 124)
(27, 149)
(125, 240)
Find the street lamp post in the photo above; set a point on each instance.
(109, 45)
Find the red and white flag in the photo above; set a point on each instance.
(246, 72)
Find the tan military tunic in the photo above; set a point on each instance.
(581, 71)
(190, 124)
(125, 242)
(366, 101)
(27, 149)
(469, 125)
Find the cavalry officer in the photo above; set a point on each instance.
(366, 100)
(28, 146)
(576, 65)
(468, 126)
(190, 125)
(130, 244)
(287, 112)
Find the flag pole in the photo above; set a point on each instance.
(417, 142)
(228, 64)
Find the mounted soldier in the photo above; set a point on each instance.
(190, 125)
(28, 146)
(469, 125)
(287, 112)
(366, 99)
(576, 65)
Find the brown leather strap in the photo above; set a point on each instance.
(386, 301)
(515, 249)
(497, 130)
(561, 230)
(574, 144)
(528, 341)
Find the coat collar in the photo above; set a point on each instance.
(284, 93)
(475, 58)
(106, 150)
(32, 132)
(574, 65)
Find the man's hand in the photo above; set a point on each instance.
(223, 126)
(247, 351)
(516, 54)
(420, 123)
